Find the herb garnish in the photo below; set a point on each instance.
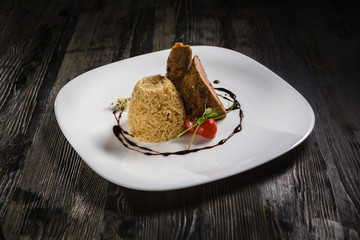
(208, 114)
(121, 104)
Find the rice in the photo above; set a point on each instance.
(156, 110)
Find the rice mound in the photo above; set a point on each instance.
(156, 110)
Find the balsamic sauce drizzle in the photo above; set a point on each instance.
(121, 134)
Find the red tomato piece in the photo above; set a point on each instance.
(190, 121)
(208, 129)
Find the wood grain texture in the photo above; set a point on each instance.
(48, 192)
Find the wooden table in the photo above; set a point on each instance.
(48, 192)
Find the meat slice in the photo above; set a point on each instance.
(196, 90)
(178, 63)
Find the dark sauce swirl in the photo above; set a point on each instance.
(122, 135)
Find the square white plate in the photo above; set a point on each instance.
(276, 119)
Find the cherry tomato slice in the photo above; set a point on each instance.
(208, 129)
(190, 121)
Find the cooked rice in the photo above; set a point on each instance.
(156, 110)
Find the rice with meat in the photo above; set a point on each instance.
(156, 110)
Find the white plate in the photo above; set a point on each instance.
(276, 119)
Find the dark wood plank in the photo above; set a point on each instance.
(48, 192)
(24, 64)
